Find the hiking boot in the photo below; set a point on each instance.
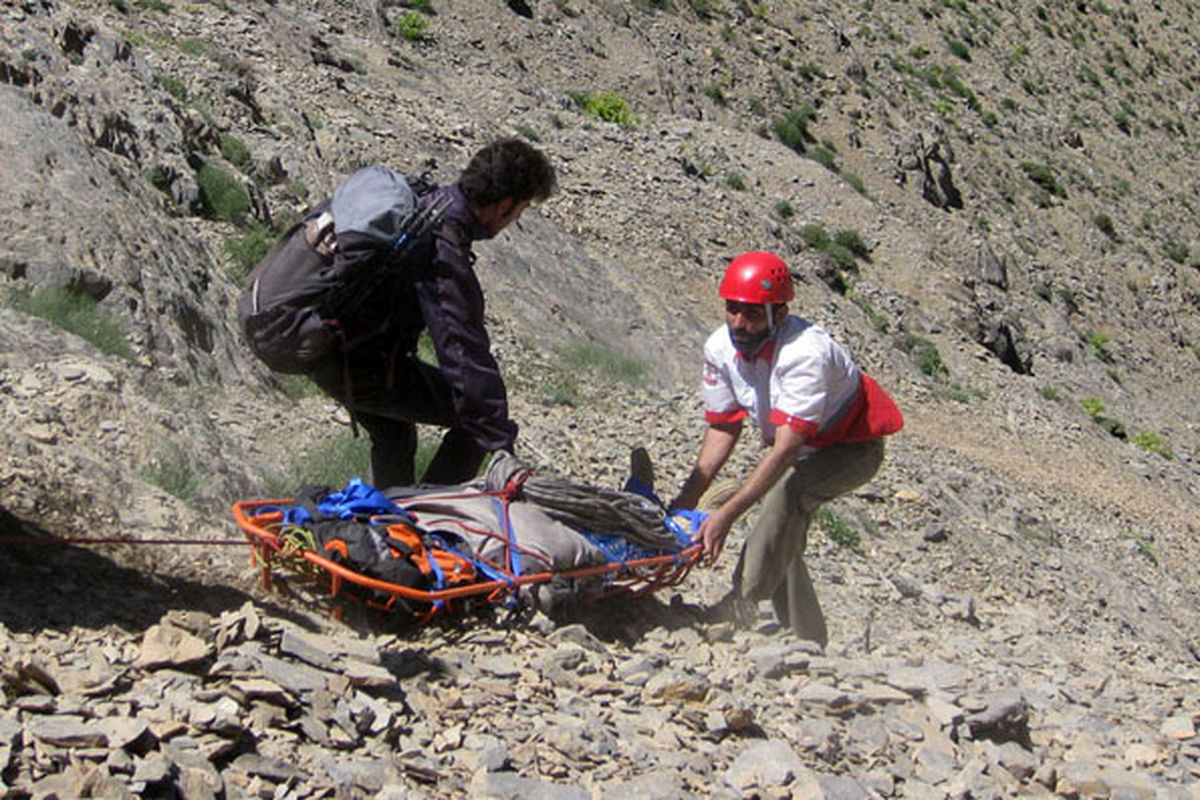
(735, 609)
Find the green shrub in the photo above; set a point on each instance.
(604, 360)
(77, 313)
(1146, 550)
(424, 6)
(792, 128)
(926, 354)
(843, 259)
(784, 209)
(295, 387)
(1099, 343)
(1105, 223)
(704, 9)
(810, 72)
(959, 49)
(248, 249)
(1050, 393)
(154, 5)
(851, 240)
(856, 183)
(735, 181)
(561, 389)
(815, 236)
(222, 195)
(234, 151)
(412, 26)
(194, 46)
(840, 532)
(172, 86)
(159, 177)
(528, 132)
(1152, 442)
(172, 471)
(333, 462)
(1043, 176)
(879, 321)
(715, 93)
(955, 393)
(1177, 252)
(608, 106)
(824, 157)
(1093, 406)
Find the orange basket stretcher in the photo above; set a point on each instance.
(263, 525)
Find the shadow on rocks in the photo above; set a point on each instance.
(630, 619)
(57, 585)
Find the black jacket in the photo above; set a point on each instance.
(437, 289)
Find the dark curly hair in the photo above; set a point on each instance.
(507, 168)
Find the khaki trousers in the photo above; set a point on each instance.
(772, 560)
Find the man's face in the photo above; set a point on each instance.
(750, 324)
(501, 214)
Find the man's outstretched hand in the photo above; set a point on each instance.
(712, 534)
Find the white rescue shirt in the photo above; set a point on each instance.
(801, 378)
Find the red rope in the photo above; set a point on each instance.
(114, 540)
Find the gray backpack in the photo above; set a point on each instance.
(292, 310)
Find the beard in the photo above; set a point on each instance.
(749, 343)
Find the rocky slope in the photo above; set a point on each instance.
(1015, 180)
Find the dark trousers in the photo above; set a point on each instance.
(388, 401)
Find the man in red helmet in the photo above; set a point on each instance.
(822, 420)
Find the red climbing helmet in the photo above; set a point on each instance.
(757, 277)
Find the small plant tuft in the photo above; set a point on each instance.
(608, 106)
(602, 359)
(1099, 342)
(172, 471)
(1043, 176)
(792, 128)
(247, 249)
(235, 151)
(1152, 442)
(411, 26)
(77, 313)
(926, 354)
(839, 531)
(222, 195)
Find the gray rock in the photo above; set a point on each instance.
(67, 731)
(766, 766)
(167, 646)
(510, 786)
(295, 678)
(1006, 719)
(311, 650)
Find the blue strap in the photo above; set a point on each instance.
(514, 560)
(635, 486)
(682, 537)
(358, 499)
